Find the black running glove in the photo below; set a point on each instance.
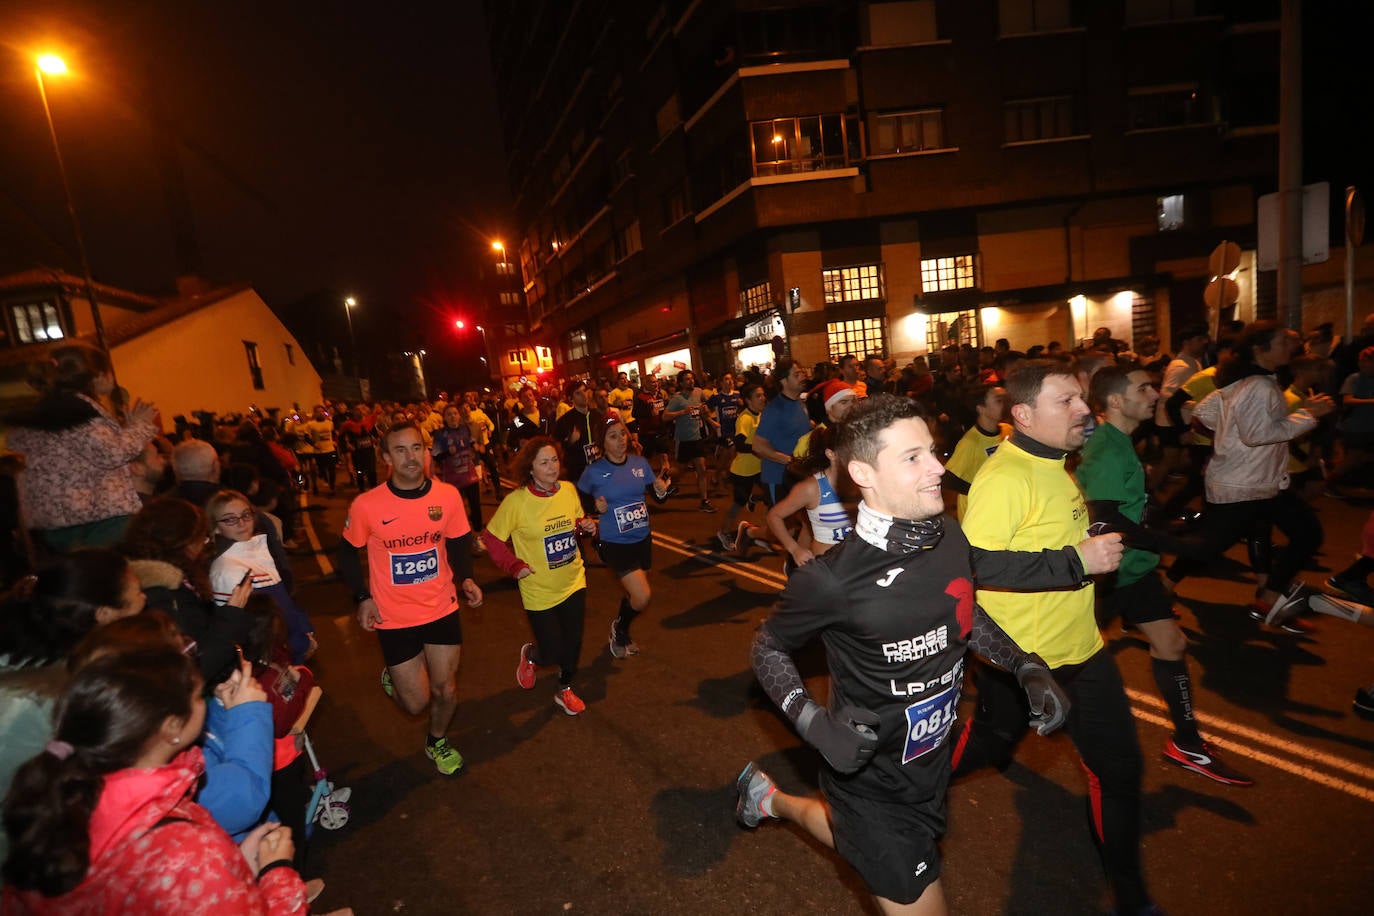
(846, 738)
(1049, 703)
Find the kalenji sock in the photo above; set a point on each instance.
(1176, 686)
(623, 620)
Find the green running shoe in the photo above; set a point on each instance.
(386, 682)
(446, 758)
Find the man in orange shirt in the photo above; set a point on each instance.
(417, 538)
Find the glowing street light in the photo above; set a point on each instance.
(53, 65)
(349, 304)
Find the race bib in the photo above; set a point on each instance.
(839, 534)
(632, 517)
(928, 722)
(414, 568)
(559, 549)
(590, 452)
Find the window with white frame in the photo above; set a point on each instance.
(37, 321)
(1024, 17)
(942, 274)
(627, 241)
(756, 298)
(575, 345)
(518, 357)
(858, 335)
(784, 146)
(510, 298)
(1026, 120)
(952, 329)
(1177, 105)
(861, 283)
(908, 131)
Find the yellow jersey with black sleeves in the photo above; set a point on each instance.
(1021, 501)
(541, 532)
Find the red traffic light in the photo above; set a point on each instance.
(459, 324)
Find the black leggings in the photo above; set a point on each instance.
(1101, 728)
(472, 502)
(558, 635)
(1225, 523)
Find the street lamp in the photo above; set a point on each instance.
(53, 65)
(349, 303)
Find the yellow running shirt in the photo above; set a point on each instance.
(1020, 501)
(746, 464)
(972, 452)
(540, 529)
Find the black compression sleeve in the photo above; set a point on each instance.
(741, 446)
(778, 674)
(952, 481)
(460, 556)
(992, 643)
(1133, 533)
(350, 564)
(1027, 570)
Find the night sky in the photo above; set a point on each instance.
(333, 148)
(328, 148)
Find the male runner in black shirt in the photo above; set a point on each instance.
(893, 604)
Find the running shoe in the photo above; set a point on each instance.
(753, 786)
(706, 506)
(446, 758)
(386, 683)
(1283, 613)
(751, 502)
(568, 701)
(1204, 760)
(1364, 702)
(727, 543)
(1356, 589)
(617, 650)
(524, 671)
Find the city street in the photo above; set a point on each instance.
(630, 807)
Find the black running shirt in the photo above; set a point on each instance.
(895, 628)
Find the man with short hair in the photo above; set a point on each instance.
(1113, 483)
(893, 605)
(528, 419)
(875, 377)
(1024, 499)
(578, 430)
(988, 403)
(691, 424)
(782, 423)
(622, 398)
(417, 539)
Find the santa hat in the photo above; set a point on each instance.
(834, 391)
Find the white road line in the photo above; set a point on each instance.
(1140, 699)
(1260, 737)
(1288, 766)
(326, 567)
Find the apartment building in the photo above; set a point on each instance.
(696, 179)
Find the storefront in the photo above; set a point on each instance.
(755, 347)
(668, 364)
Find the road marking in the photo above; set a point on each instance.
(1280, 763)
(1140, 699)
(326, 567)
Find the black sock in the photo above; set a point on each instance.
(1359, 570)
(430, 740)
(1177, 689)
(622, 622)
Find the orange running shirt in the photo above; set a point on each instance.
(407, 563)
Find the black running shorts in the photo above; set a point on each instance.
(1143, 601)
(404, 643)
(741, 487)
(691, 449)
(624, 559)
(892, 845)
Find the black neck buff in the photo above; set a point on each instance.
(898, 535)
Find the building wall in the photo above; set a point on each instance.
(198, 361)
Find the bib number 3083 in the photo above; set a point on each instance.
(414, 568)
(928, 722)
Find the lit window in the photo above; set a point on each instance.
(863, 283)
(510, 298)
(1023, 17)
(505, 268)
(37, 321)
(940, 274)
(575, 345)
(1170, 212)
(952, 329)
(786, 145)
(757, 298)
(909, 131)
(517, 357)
(1038, 119)
(860, 335)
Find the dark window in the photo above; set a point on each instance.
(290, 355)
(909, 131)
(1152, 107)
(675, 204)
(254, 367)
(1039, 119)
(1023, 17)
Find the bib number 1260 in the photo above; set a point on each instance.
(413, 568)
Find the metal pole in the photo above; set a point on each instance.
(352, 343)
(76, 225)
(1290, 164)
(1352, 201)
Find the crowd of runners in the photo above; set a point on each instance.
(975, 516)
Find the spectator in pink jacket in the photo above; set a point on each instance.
(103, 820)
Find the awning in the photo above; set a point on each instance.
(654, 344)
(959, 300)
